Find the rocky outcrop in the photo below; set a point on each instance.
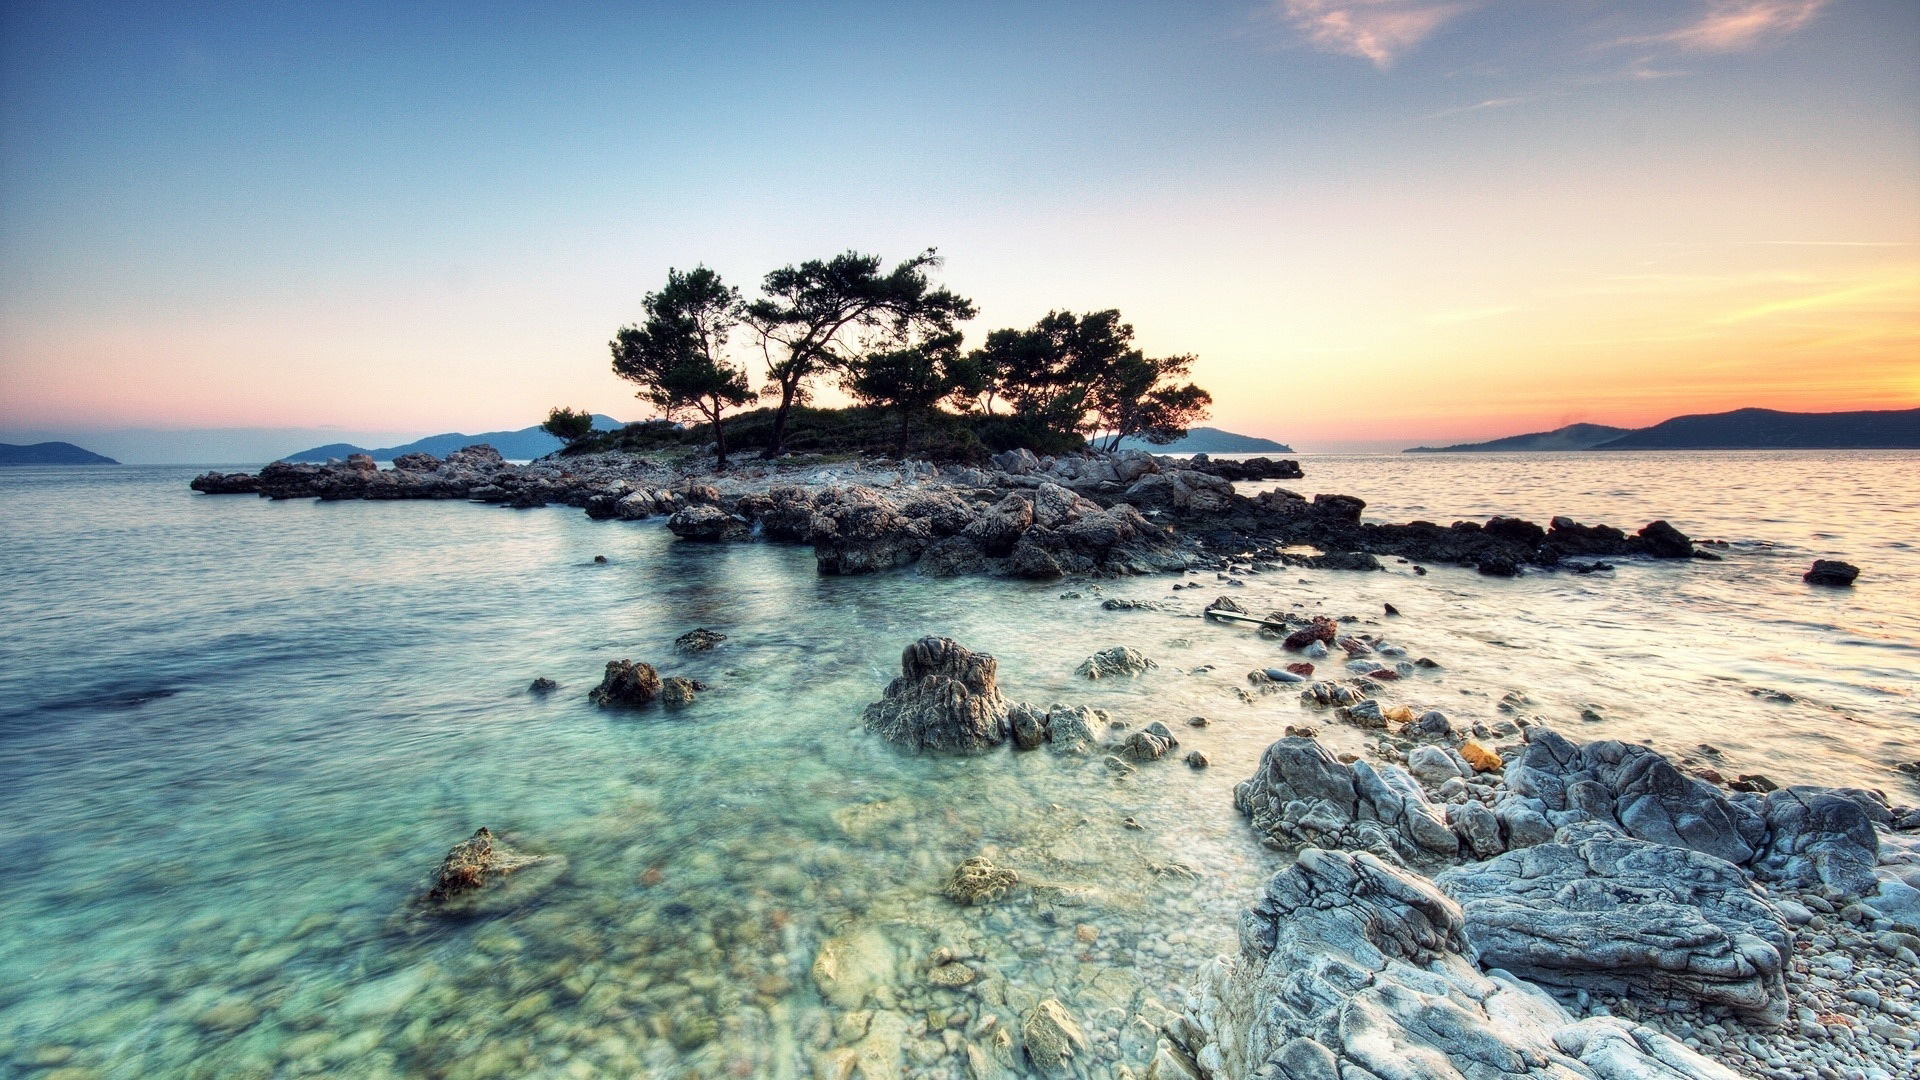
(1117, 662)
(474, 864)
(1831, 572)
(946, 699)
(1350, 968)
(1821, 836)
(1065, 728)
(626, 685)
(1257, 468)
(1597, 910)
(707, 523)
(699, 640)
(1628, 786)
(1301, 796)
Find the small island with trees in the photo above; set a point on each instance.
(890, 340)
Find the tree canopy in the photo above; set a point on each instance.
(678, 356)
(911, 380)
(565, 424)
(824, 315)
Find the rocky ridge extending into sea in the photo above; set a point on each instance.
(1027, 517)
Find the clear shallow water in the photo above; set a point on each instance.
(236, 737)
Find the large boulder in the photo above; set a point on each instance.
(1301, 796)
(1118, 661)
(946, 699)
(707, 523)
(1831, 572)
(1632, 787)
(1817, 836)
(1596, 910)
(1350, 968)
(858, 531)
(626, 685)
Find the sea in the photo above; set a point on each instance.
(237, 736)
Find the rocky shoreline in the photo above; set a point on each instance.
(1493, 900)
(1024, 517)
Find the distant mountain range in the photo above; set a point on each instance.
(1206, 440)
(1571, 437)
(51, 453)
(1741, 429)
(522, 445)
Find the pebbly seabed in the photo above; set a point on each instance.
(715, 914)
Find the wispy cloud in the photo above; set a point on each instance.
(1490, 103)
(1738, 25)
(1378, 30)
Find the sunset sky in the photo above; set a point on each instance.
(1378, 222)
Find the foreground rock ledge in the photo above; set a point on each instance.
(1349, 968)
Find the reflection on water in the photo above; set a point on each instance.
(236, 736)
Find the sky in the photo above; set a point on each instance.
(1378, 223)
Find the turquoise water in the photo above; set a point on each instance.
(237, 736)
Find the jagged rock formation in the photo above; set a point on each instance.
(1121, 660)
(1598, 910)
(1302, 796)
(1350, 968)
(946, 699)
(473, 864)
(626, 685)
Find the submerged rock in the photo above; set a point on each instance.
(700, 639)
(1596, 910)
(1350, 968)
(1117, 661)
(678, 691)
(626, 685)
(946, 699)
(978, 881)
(542, 685)
(1051, 1034)
(474, 864)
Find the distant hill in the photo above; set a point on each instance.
(51, 453)
(1767, 429)
(1206, 440)
(1571, 437)
(525, 444)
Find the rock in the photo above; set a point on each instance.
(1302, 796)
(1663, 541)
(700, 639)
(1350, 968)
(1432, 724)
(1027, 725)
(1117, 661)
(1631, 786)
(543, 685)
(707, 523)
(1321, 629)
(473, 864)
(1282, 675)
(1819, 837)
(1831, 572)
(951, 975)
(626, 685)
(1302, 669)
(1196, 759)
(1051, 1034)
(1597, 910)
(1435, 766)
(1481, 758)
(1071, 728)
(978, 881)
(946, 699)
(1144, 746)
(1032, 562)
(677, 691)
(848, 969)
(1223, 603)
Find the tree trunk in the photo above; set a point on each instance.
(719, 439)
(906, 425)
(777, 441)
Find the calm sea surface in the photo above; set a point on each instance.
(237, 736)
